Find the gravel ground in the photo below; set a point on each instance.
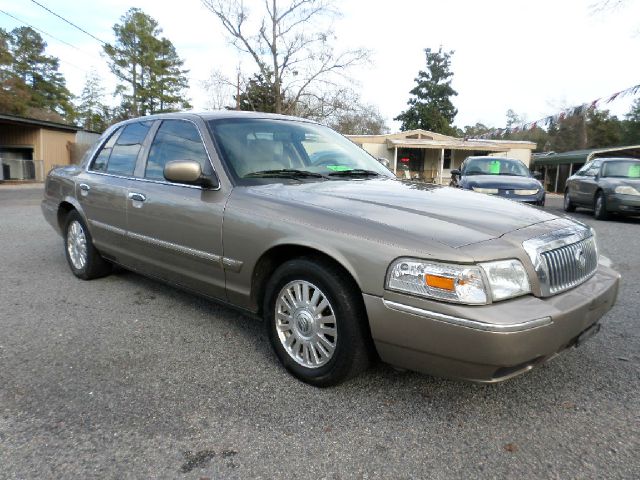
(124, 377)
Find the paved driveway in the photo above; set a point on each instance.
(125, 378)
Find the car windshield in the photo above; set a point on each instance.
(622, 169)
(495, 166)
(268, 148)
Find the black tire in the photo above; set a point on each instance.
(600, 207)
(568, 204)
(353, 345)
(94, 265)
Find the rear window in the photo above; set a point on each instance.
(120, 153)
(124, 154)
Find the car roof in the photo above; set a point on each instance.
(215, 115)
(613, 159)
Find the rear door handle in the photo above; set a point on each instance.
(138, 197)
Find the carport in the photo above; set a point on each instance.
(557, 167)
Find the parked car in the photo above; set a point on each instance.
(605, 185)
(343, 261)
(503, 177)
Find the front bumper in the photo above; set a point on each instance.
(486, 343)
(628, 204)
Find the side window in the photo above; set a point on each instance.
(175, 140)
(100, 162)
(124, 153)
(593, 169)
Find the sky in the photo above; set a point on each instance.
(533, 57)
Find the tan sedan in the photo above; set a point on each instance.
(291, 222)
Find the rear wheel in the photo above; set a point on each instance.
(600, 207)
(316, 322)
(568, 204)
(83, 258)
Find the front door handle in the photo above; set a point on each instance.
(138, 197)
(84, 187)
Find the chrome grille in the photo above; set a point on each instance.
(564, 257)
(570, 265)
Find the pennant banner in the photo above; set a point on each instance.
(560, 116)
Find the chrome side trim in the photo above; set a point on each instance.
(108, 228)
(231, 264)
(216, 259)
(221, 262)
(464, 322)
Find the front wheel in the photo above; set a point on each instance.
(83, 258)
(568, 204)
(600, 207)
(316, 322)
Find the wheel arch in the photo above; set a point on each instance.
(276, 255)
(64, 207)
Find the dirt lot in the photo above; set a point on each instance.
(126, 378)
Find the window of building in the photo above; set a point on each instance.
(175, 140)
(446, 165)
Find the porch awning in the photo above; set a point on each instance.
(447, 144)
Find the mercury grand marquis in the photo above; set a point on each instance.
(291, 222)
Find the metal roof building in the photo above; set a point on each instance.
(557, 167)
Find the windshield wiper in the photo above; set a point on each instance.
(284, 173)
(356, 172)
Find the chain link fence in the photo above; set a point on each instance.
(21, 170)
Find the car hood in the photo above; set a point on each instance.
(447, 215)
(501, 182)
(616, 181)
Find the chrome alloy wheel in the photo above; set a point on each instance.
(77, 245)
(306, 324)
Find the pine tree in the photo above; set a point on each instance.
(431, 107)
(149, 69)
(32, 77)
(93, 114)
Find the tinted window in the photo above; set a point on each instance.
(124, 153)
(251, 146)
(175, 140)
(593, 169)
(100, 162)
(495, 166)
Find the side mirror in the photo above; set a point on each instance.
(537, 175)
(188, 171)
(455, 172)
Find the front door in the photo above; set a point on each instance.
(175, 230)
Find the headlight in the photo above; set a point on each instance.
(626, 190)
(440, 281)
(507, 279)
(459, 283)
(485, 190)
(526, 192)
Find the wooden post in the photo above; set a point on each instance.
(441, 167)
(395, 161)
(555, 190)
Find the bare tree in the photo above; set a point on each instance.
(220, 90)
(290, 44)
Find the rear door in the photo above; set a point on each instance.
(175, 230)
(102, 188)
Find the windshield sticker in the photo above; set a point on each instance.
(634, 171)
(494, 167)
(339, 168)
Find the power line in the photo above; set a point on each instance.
(46, 33)
(69, 22)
